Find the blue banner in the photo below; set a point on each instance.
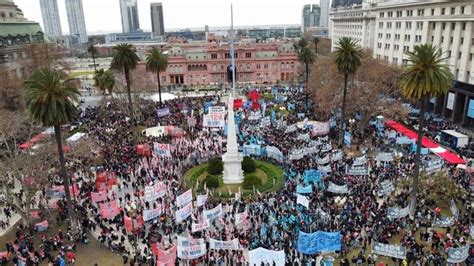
(304, 190)
(319, 241)
(423, 151)
(312, 175)
(347, 138)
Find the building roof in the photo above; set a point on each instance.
(19, 28)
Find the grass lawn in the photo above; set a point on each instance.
(75, 74)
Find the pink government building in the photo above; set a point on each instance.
(206, 63)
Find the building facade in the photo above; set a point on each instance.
(15, 32)
(129, 14)
(203, 63)
(324, 17)
(51, 21)
(157, 21)
(400, 25)
(310, 16)
(76, 21)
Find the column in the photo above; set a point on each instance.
(444, 104)
(464, 112)
(453, 113)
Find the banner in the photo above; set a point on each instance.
(392, 251)
(188, 241)
(443, 221)
(151, 214)
(42, 226)
(163, 150)
(311, 175)
(358, 170)
(291, 128)
(458, 255)
(252, 149)
(156, 191)
(397, 213)
(300, 199)
(336, 156)
(347, 138)
(183, 213)
(184, 198)
(274, 152)
(131, 224)
(109, 210)
(360, 161)
(254, 116)
(195, 227)
(216, 110)
(265, 122)
(320, 128)
(213, 120)
(163, 112)
(325, 160)
(58, 191)
(304, 190)
(385, 188)
(241, 218)
(385, 157)
(338, 189)
(98, 196)
(267, 257)
(225, 245)
(201, 200)
(433, 166)
(213, 213)
(191, 252)
(164, 257)
(318, 242)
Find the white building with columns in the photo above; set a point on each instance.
(392, 27)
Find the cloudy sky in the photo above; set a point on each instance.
(104, 15)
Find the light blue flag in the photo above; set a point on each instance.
(312, 243)
(304, 190)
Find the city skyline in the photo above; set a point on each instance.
(180, 14)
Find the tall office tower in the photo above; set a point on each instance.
(324, 18)
(310, 16)
(129, 11)
(76, 21)
(157, 25)
(50, 14)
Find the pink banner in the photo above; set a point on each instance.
(109, 210)
(98, 196)
(131, 224)
(166, 257)
(42, 226)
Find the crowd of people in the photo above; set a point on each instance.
(272, 220)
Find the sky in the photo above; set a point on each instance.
(103, 16)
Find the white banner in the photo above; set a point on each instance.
(151, 214)
(201, 200)
(337, 189)
(213, 120)
(265, 256)
(254, 116)
(320, 128)
(163, 150)
(458, 255)
(385, 157)
(241, 218)
(300, 199)
(291, 128)
(216, 110)
(397, 213)
(156, 191)
(275, 153)
(191, 252)
(195, 227)
(386, 250)
(213, 213)
(184, 198)
(187, 241)
(183, 213)
(450, 101)
(385, 188)
(225, 245)
(360, 161)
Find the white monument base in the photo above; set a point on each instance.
(233, 169)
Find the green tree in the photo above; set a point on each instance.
(93, 51)
(347, 58)
(157, 62)
(316, 42)
(51, 100)
(307, 57)
(425, 76)
(125, 59)
(104, 80)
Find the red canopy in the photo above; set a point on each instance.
(41, 136)
(451, 158)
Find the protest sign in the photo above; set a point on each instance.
(163, 150)
(300, 199)
(98, 196)
(361, 160)
(291, 128)
(254, 116)
(213, 213)
(201, 200)
(392, 251)
(337, 189)
(213, 120)
(385, 188)
(385, 157)
(42, 226)
(183, 213)
(151, 214)
(195, 227)
(358, 170)
(347, 138)
(225, 245)
(443, 221)
(163, 112)
(184, 198)
(216, 110)
(131, 224)
(433, 166)
(458, 255)
(164, 257)
(109, 210)
(265, 256)
(191, 252)
(311, 175)
(397, 213)
(311, 243)
(320, 128)
(158, 190)
(304, 190)
(187, 241)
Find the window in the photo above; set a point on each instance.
(417, 38)
(451, 40)
(442, 39)
(379, 45)
(258, 66)
(408, 25)
(381, 14)
(432, 39)
(443, 10)
(387, 46)
(213, 56)
(464, 26)
(390, 14)
(398, 25)
(420, 12)
(443, 26)
(453, 26)
(395, 60)
(381, 25)
(468, 74)
(462, 40)
(227, 55)
(434, 26)
(449, 53)
(265, 66)
(470, 56)
(406, 48)
(405, 62)
(399, 14)
(457, 73)
(389, 25)
(248, 55)
(462, 10)
(407, 37)
(459, 55)
(409, 13)
(387, 36)
(419, 25)
(432, 12)
(453, 10)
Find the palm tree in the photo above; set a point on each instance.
(316, 42)
(307, 57)
(125, 59)
(156, 61)
(347, 58)
(105, 81)
(93, 51)
(51, 100)
(424, 77)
